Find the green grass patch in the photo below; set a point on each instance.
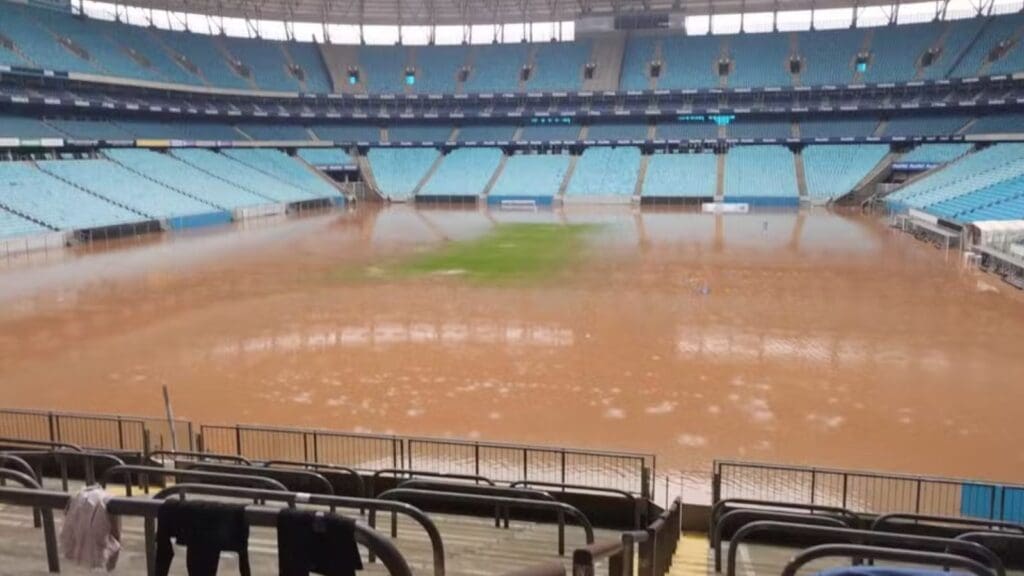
(511, 252)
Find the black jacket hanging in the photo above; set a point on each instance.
(309, 541)
(207, 529)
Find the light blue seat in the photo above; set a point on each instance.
(760, 172)
(828, 56)
(926, 125)
(242, 175)
(91, 129)
(25, 27)
(686, 131)
(28, 190)
(181, 176)
(122, 186)
(936, 153)
(690, 62)
(266, 62)
(203, 52)
(895, 50)
(681, 175)
(1009, 123)
(558, 66)
(636, 62)
(605, 171)
(180, 130)
(291, 170)
(306, 55)
(839, 127)
(399, 170)
(744, 128)
(486, 133)
(960, 35)
(347, 132)
(618, 131)
(325, 156)
(550, 132)
(143, 41)
(832, 171)
(285, 132)
(496, 68)
(531, 176)
(419, 133)
(759, 60)
(463, 172)
(382, 68)
(13, 225)
(26, 128)
(437, 68)
(998, 29)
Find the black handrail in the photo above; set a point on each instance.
(407, 493)
(292, 498)
(190, 456)
(861, 537)
(876, 553)
(583, 488)
(255, 515)
(231, 479)
(718, 509)
(746, 516)
(19, 462)
(357, 478)
(280, 474)
(46, 514)
(619, 554)
(656, 553)
(398, 472)
(41, 443)
(61, 456)
(543, 569)
(486, 490)
(951, 521)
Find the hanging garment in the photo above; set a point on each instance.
(90, 536)
(309, 541)
(207, 529)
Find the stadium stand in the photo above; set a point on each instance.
(182, 177)
(896, 50)
(322, 156)
(760, 174)
(976, 58)
(841, 127)
(160, 60)
(606, 171)
(91, 129)
(486, 133)
(180, 130)
(437, 69)
(241, 175)
(680, 175)
(833, 171)
(265, 62)
(47, 199)
(95, 38)
(998, 124)
(936, 153)
(399, 171)
(19, 24)
(548, 132)
(925, 125)
(203, 52)
(383, 68)
(347, 132)
(307, 57)
(25, 127)
(531, 176)
(686, 131)
(959, 36)
(281, 132)
(119, 185)
(828, 56)
(638, 56)
(759, 128)
(13, 225)
(759, 60)
(496, 68)
(419, 133)
(463, 172)
(631, 131)
(690, 62)
(287, 169)
(559, 66)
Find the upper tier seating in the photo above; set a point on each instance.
(532, 175)
(293, 132)
(463, 172)
(419, 133)
(288, 169)
(925, 125)
(28, 190)
(895, 50)
(182, 177)
(759, 60)
(399, 171)
(997, 124)
(618, 131)
(998, 29)
(828, 56)
(687, 131)
(180, 130)
(833, 171)
(542, 132)
(744, 128)
(638, 55)
(486, 133)
(14, 225)
(690, 62)
(958, 37)
(23, 27)
(266, 62)
(347, 132)
(437, 68)
(307, 56)
(25, 127)
(382, 68)
(118, 184)
(603, 171)
(97, 39)
(760, 172)
(936, 153)
(682, 175)
(840, 127)
(202, 51)
(325, 156)
(146, 45)
(559, 66)
(91, 129)
(242, 175)
(496, 68)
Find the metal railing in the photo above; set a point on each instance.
(144, 472)
(360, 451)
(100, 431)
(858, 491)
(937, 559)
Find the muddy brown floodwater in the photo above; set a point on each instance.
(810, 338)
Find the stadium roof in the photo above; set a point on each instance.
(469, 12)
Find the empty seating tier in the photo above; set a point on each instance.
(291, 170)
(463, 172)
(605, 171)
(242, 175)
(531, 176)
(764, 174)
(833, 171)
(399, 171)
(681, 175)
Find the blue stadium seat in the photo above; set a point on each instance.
(291, 170)
(264, 131)
(307, 56)
(325, 156)
(617, 131)
(496, 68)
(383, 68)
(926, 125)
(681, 175)
(936, 153)
(838, 127)
(895, 50)
(399, 170)
(605, 171)
(690, 62)
(463, 172)
(640, 52)
(759, 128)
(419, 133)
(531, 176)
(26, 128)
(832, 171)
(202, 51)
(759, 60)
(828, 56)
(347, 132)
(242, 175)
(550, 132)
(559, 66)
(266, 62)
(486, 133)
(760, 173)
(13, 225)
(686, 131)
(437, 68)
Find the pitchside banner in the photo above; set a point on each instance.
(725, 208)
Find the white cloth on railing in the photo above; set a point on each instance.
(90, 536)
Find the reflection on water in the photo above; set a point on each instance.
(793, 336)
